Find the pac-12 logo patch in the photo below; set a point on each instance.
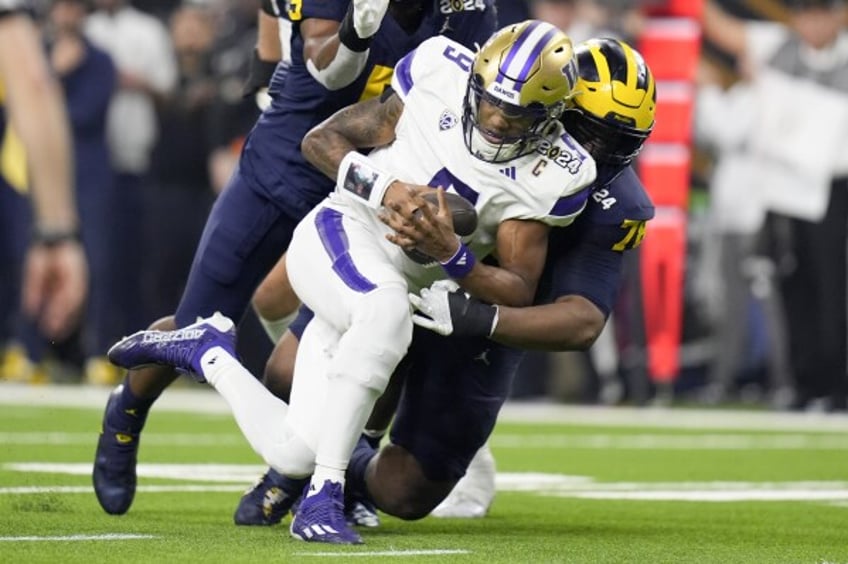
(447, 120)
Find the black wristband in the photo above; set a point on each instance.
(471, 317)
(259, 75)
(347, 34)
(52, 238)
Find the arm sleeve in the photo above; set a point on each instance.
(590, 271)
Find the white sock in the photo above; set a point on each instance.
(260, 415)
(275, 328)
(322, 474)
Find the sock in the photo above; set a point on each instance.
(275, 328)
(324, 473)
(363, 452)
(129, 411)
(260, 415)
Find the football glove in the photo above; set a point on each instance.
(447, 310)
(367, 15)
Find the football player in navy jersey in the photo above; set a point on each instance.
(342, 51)
(465, 384)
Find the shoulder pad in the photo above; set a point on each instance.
(625, 198)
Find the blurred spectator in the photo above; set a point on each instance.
(88, 79)
(180, 191)
(790, 161)
(141, 49)
(584, 19)
(35, 153)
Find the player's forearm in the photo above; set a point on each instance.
(38, 115)
(571, 323)
(498, 286)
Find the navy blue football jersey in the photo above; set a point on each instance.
(585, 258)
(271, 159)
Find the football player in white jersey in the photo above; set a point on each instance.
(484, 125)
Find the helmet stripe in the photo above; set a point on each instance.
(513, 52)
(534, 54)
(525, 52)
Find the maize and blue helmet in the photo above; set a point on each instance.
(612, 110)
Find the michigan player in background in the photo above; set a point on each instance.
(453, 119)
(55, 280)
(341, 52)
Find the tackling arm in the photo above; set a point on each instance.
(335, 53)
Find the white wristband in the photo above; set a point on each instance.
(342, 70)
(360, 179)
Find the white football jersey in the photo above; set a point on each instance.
(550, 185)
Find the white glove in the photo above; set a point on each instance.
(367, 15)
(447, 310)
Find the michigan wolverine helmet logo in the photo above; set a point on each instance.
(612, 111)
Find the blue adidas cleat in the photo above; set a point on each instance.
(320, 517)
(114, 474)
(360, 512)
(266, 503)
(182, 348)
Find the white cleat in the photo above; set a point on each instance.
(474, 493)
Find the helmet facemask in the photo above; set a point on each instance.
(490, 146)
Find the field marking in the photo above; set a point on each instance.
(187, 488)
(588, 441)
(391, 553)
(75, 538)
(227, 478)
(202, 399)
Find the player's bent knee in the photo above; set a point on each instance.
(382, 331)
(291, 457)
(398, 485)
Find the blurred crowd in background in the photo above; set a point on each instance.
(154, 92)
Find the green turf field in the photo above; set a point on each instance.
(585, 486)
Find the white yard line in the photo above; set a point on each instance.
(202, 399)
(75, 538)
(690, 439)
